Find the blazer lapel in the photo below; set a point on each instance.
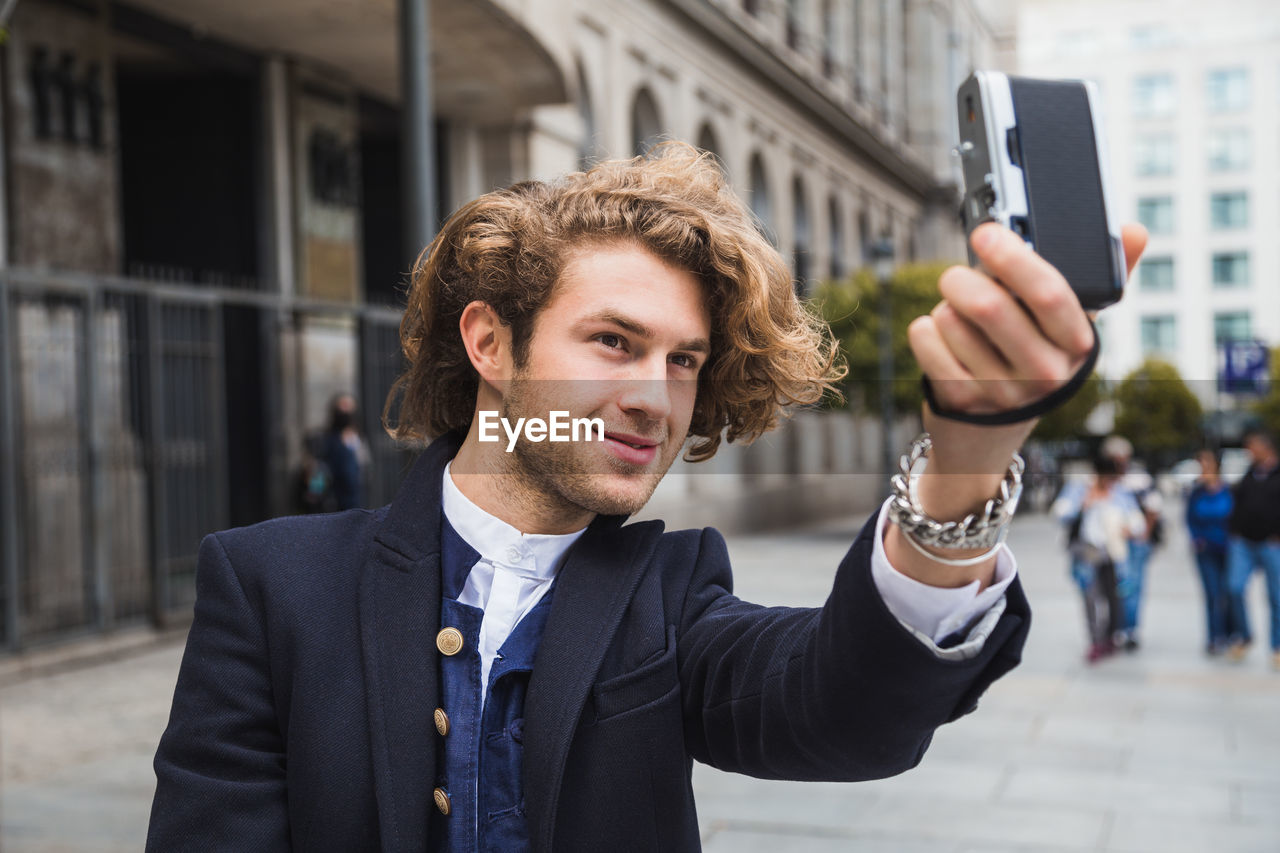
(593, 590)
(399, 618)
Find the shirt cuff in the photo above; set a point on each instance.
(935, 613)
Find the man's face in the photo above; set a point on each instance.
(1259, 450)
(622, 339)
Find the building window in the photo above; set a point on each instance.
(828, 39)
(1159, 335)
(646, 122)
(835, 238)
(751, 7)
(1231, 326)
(1228, 149)
(1151, 37)
(855, 49)
(761, 202)
(1231, 269)
(1156, 213)
(1153, 96)
(795, 25)
(588, 148)
(801, 237)
(1156, 274)
(1226, 90)
(1154, 154)
(1229, 210)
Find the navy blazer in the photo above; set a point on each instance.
(302, 716)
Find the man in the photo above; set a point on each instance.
(494, 661)
(1140, 487)
(1254, 531)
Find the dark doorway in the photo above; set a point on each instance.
(386, 259)
(189, 165)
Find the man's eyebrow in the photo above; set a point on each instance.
(640, 330)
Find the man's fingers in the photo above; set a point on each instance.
(967, 343)
(954, 386)
(994, 313)
(1038, 284)
(1134, 238)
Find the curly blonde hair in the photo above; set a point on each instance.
(508, 248)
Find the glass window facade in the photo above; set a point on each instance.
(1228, 149)
(1229, 210)
(1156, 213)
(1232, 326)
(1153, 96)
(1155, 274)
(1231, 269)
(1226, 90)
(1159, 335)
(1154, 154)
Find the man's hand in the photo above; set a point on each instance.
(999, 340)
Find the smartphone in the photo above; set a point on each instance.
(1034, 159)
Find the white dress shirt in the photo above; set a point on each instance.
(516, 569)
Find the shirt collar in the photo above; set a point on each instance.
(536, 554)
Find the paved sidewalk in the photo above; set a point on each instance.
(1163, 751)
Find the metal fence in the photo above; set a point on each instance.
(114, 443)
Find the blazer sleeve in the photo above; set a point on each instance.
(220, 766)
(838, 693)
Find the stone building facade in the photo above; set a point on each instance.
(204, 239)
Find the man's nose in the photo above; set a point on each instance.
(647, 393)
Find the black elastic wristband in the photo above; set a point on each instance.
(1026, 413)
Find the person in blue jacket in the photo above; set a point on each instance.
(1209, 505)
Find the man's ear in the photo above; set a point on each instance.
(488, 343)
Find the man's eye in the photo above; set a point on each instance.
(684, 361)
(611, 341)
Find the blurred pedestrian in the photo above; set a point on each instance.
(1254, 541)
(1131, 574)
(1102, 520)
(344, 451)
(313, 481)
(1209, 506)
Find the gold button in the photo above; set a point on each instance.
(442, 801)
(442, 722)
(449, 641)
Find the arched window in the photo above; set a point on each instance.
(646, 121)
(708, 141)
(588, 145)
(761, 203)
(835, 239)
(828, 39)
(801, 242)
(751, 7)
(864, 239)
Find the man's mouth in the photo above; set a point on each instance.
(632, 449)
(631, 440)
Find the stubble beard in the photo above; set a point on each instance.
(575, 475)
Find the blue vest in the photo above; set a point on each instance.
(482, 756)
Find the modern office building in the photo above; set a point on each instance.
(1192, 101)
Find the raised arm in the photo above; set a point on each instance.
(839, 693)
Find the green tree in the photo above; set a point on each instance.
(1066, 422)
(1268, 408)
(852, 308)
(1157, 412)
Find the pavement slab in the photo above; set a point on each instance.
(1163, 750)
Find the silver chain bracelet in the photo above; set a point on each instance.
(984, 530)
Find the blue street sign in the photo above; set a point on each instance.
(1245, 367)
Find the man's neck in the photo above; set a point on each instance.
(492, 480)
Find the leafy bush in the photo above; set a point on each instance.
(1157, 412)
